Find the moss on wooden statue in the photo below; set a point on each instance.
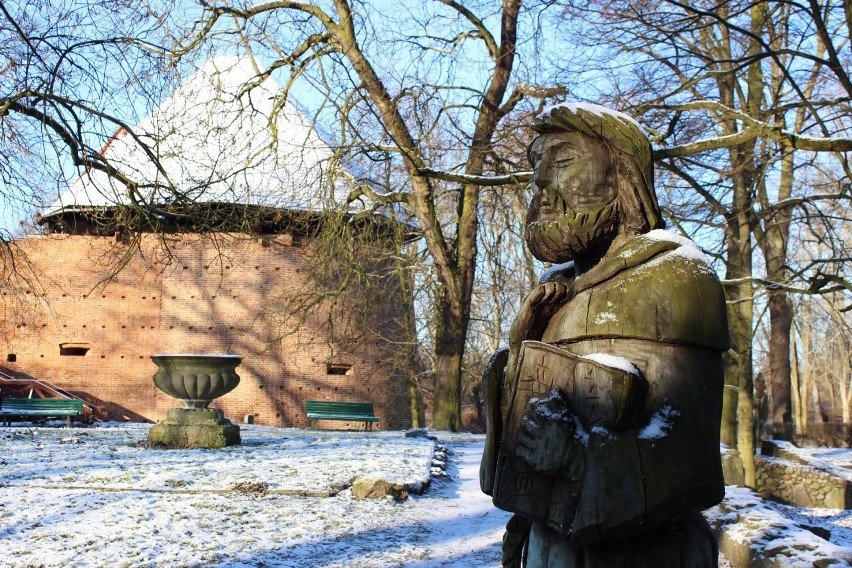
(604, 412)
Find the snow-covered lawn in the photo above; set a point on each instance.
(94, 497)
(289, 460)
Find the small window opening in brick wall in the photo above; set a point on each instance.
(11, 358)
(73, 349)
(339, 369)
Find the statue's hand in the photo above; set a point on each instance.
(551, 436)
(535, 312)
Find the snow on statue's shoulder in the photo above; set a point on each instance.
(687, 248)
(668, 236)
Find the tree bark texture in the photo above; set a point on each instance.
(728, 431)
(780, 402)
(449, 352)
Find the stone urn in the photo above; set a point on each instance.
(195, 380)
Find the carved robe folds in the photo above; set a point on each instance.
(647, 442)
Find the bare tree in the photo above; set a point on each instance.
(395, 84)
(68, 80)
(71, 76)
(740, 95)
(822, 391)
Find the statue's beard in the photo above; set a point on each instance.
(572, 234)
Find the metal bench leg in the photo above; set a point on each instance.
(67, 421)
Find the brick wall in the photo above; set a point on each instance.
(199, 294)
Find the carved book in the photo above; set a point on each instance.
(599, 395)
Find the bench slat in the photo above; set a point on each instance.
(46, 407)
(339, 407)
(356, 417)
(41, 406)
(343, 411)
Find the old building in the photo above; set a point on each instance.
(216, 257)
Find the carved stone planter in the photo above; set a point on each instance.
(195, 380)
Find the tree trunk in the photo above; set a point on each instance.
(805, 377)
(773, 241)
(449, 353)
(741, 314)
(745, 432)
(728, 432)
(739, 262)
(740, 295)
(414, 397)
(796, 387)
(780, 322)
(819, 417)
(446, 412)
(841, 367)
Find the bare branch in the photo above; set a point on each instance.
(482, 30)
(480, 180)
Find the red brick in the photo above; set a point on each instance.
(200, 297)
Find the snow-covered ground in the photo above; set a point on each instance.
(802, 536)
(94, 497)
(837, 461)
(775, 529)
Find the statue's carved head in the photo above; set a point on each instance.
(592, 177)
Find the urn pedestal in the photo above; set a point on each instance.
(195, 380)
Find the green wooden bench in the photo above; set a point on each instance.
(40, 407)
(346, 411)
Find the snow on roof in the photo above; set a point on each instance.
(216, 144)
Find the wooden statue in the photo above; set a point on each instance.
(604, 411)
